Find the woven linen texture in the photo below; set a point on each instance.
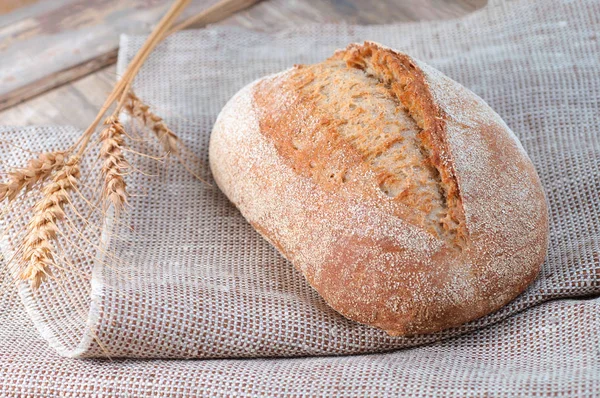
(194, 280)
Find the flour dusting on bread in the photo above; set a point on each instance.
(401, 196)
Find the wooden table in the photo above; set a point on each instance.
(96, 25)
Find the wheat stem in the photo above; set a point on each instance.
(37, 253)
(136, 63)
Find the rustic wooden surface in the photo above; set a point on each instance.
(49, 43)
(76, 103)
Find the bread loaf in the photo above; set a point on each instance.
(402, 197)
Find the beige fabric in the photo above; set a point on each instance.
(195, 281)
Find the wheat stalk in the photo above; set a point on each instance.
(37, 249)
(37, 170)
(139, 110)
(114, 164)
(36, 252)
(121, 89)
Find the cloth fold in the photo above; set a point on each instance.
(182, 275)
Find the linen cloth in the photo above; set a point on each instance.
(194, 280)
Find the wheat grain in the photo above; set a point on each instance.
(167, 138)
(38, 252)
(114, 164)
(37, 170)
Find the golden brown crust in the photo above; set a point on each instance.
(409, 84)
(360, 119)
(285, 157)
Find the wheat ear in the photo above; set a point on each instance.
(167, 138)
(114, 163)
(38, 252)
(37, 170)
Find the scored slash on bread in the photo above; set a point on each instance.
(402, 197)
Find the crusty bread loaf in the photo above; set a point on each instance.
(406, 202)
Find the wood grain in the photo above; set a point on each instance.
(46, 45)
(73, 104)
(280, 14)
(57, 106)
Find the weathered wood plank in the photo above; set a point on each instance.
(73, 104)
(57, 79)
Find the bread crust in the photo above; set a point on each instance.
(361, 250)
